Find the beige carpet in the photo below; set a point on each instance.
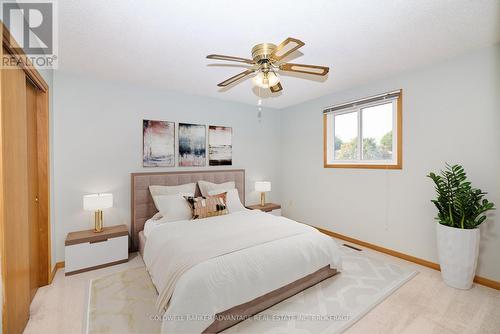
(124, 302)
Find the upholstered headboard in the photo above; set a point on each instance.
(143, 206)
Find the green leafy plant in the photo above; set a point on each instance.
(459, 205)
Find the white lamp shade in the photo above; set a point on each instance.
(97, 201)
(263, 186)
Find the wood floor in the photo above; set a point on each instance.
(423, 305)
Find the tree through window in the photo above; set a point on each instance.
(365, 133)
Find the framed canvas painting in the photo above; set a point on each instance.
(220, 145)
(192, 145)
(158, 143)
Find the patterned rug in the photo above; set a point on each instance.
(124, 302)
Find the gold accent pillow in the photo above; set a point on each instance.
(210, 206)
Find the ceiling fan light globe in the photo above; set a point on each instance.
(266, 79)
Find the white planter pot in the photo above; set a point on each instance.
(458, 250)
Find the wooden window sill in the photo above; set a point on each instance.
(363, 166)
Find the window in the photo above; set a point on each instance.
(364, 133)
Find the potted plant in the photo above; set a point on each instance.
(461, 209)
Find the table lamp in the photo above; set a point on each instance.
(97, 202)
(263, 187)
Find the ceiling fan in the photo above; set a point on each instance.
(267, 62)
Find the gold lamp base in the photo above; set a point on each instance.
(98, 221)
(262, 199)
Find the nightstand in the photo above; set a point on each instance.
(274, 209)
(87, 250)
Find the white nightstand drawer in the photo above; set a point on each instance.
(91, 254)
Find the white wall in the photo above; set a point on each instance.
(98, 143)
(451, 112)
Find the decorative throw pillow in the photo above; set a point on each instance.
(233, 201)
(210, 206)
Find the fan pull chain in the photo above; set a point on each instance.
(259, 108)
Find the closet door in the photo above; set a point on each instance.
(24, 185)
(15, 229)
(34, 235)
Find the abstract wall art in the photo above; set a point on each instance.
(192, 145)
(158, 143)
(220, 147)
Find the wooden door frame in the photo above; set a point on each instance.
(14, 49)
(43, 155)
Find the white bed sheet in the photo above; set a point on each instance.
(150, 225)
(220, 283)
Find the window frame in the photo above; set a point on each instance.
(397, 142)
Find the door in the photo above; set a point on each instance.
(15, 255)
(34, 230)
(24, 187)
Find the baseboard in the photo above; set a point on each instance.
(487, 282)
(58, 265)
(478, 279)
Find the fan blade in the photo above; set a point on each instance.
(286, 47)
(235, 78)
(276, 88)
(302, 68)
(231, 58)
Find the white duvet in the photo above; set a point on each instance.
(203, 267)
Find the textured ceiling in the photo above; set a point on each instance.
(163, 44)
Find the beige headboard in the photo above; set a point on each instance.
(143, 207)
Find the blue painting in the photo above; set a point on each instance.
(192, 145)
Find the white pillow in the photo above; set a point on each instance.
(206, 187)
(173, 207)
(188, 188)
(233, 201)
(184, 189)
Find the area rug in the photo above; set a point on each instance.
(124, 302)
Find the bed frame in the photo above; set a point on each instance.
(143, 206)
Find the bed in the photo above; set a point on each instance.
(215, 272)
